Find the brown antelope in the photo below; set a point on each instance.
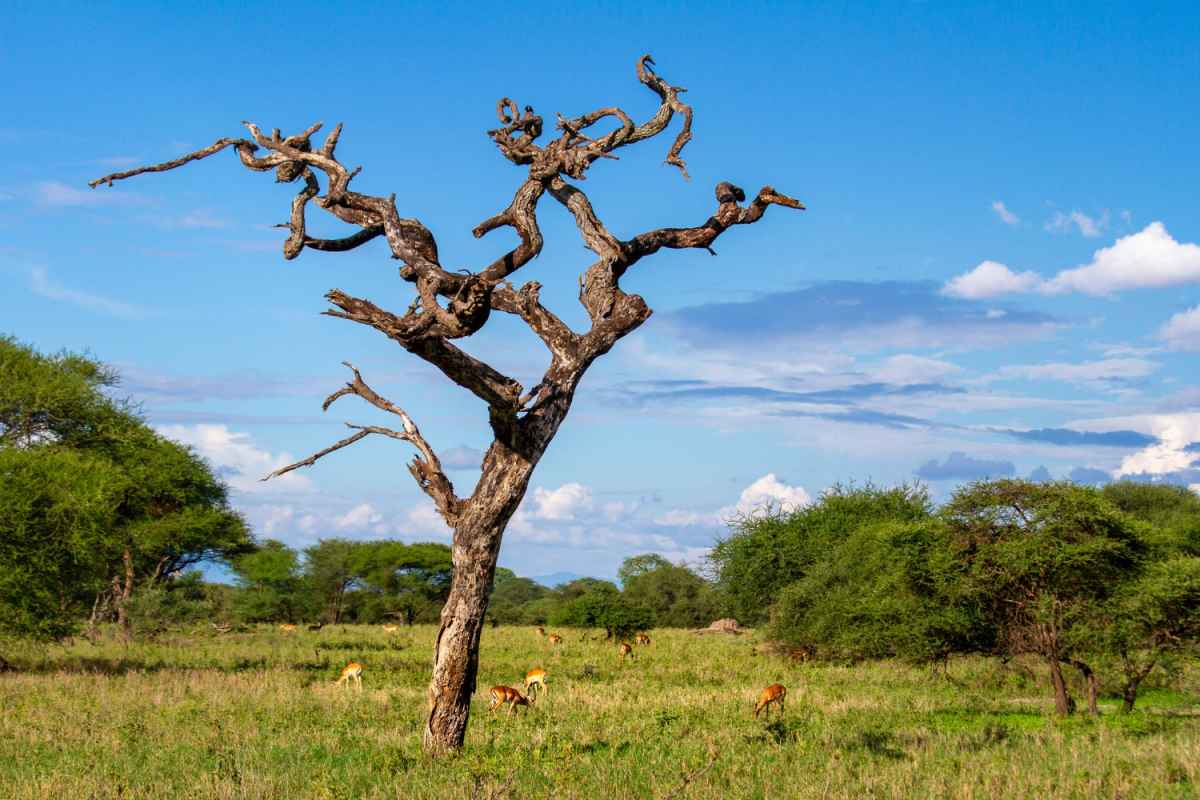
(775, 693)
(507, 694)
(352, 672)
(541, 631)
(316, 626)
(555, 639)
(626, 649)
(287, 627)
(642, 638)
(535, 679)
(390, 628)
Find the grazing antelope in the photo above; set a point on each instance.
(775, 693)
(535, 679)
(287, 628)
(555, 639)
(642, 638)
(223, 628)
(316, 626)
(352, 672)
(541, 631)
(626, 649)
(507, 694)
(390, 628)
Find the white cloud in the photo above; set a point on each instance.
(1182, 331)
(1006, 216)
(1090, 227)
(908, 369)
(362, 517)
(1150, 258)
(42, 284)
(562, 503)
(1108, 369)
(769, 492)
(236, 458)
(990, 279)
(682, 518)
(1195, 487)
(1174, 432)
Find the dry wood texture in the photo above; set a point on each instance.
(454, 305)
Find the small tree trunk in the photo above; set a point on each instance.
(1090, 677)
(1063, 704)
(123, 621)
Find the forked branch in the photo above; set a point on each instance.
(426, 467)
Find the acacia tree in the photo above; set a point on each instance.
(451, 306)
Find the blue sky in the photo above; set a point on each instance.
(997, 274)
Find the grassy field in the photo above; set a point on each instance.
(257, 715)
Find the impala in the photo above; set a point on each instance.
(352, 672)
(390, 628)
(541, 631)
(555, 639)
(287, 628)
(535, 679)
(626, 649)
(642, 638)
(775, 693)
(507, 694)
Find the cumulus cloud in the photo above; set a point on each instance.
(962, 467)
(1006, 216)
(563, 503)
(1090, 227)
(1182, 331)
(243, 461)
(768, 492)
(1150, 258)
(362, 517)
(990, 279)
(1172, 453)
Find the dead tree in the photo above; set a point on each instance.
(452, 305)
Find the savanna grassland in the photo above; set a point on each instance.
(257, 715)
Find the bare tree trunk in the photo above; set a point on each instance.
(123, 621)
(475, 552)
(1063, 705)
(1090, 678)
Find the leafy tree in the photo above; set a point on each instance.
(512, 598)
(56, 509)
(880, 593)
(331, 570)
(592, 603)
(765, 553)
(409, 581)
(675, 596)
(1171, 513)
(270, 584)
(1149, 620)
(1040, 561)
(181, 601)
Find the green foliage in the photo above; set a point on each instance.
(600, 605)
(764, 554)
(514, 598)
(270, 583)
(1171, 513)
(185, 601)
(675, 596)
(57, 506)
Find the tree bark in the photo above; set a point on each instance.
(123, 621)
(475, 551)
(1063, 705)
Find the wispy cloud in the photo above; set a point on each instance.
(962, 467)
(56, 194)
(41, 283)
(242, 462)
(1006, 216)
(1089, 226)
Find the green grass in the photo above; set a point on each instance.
(257, 715)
